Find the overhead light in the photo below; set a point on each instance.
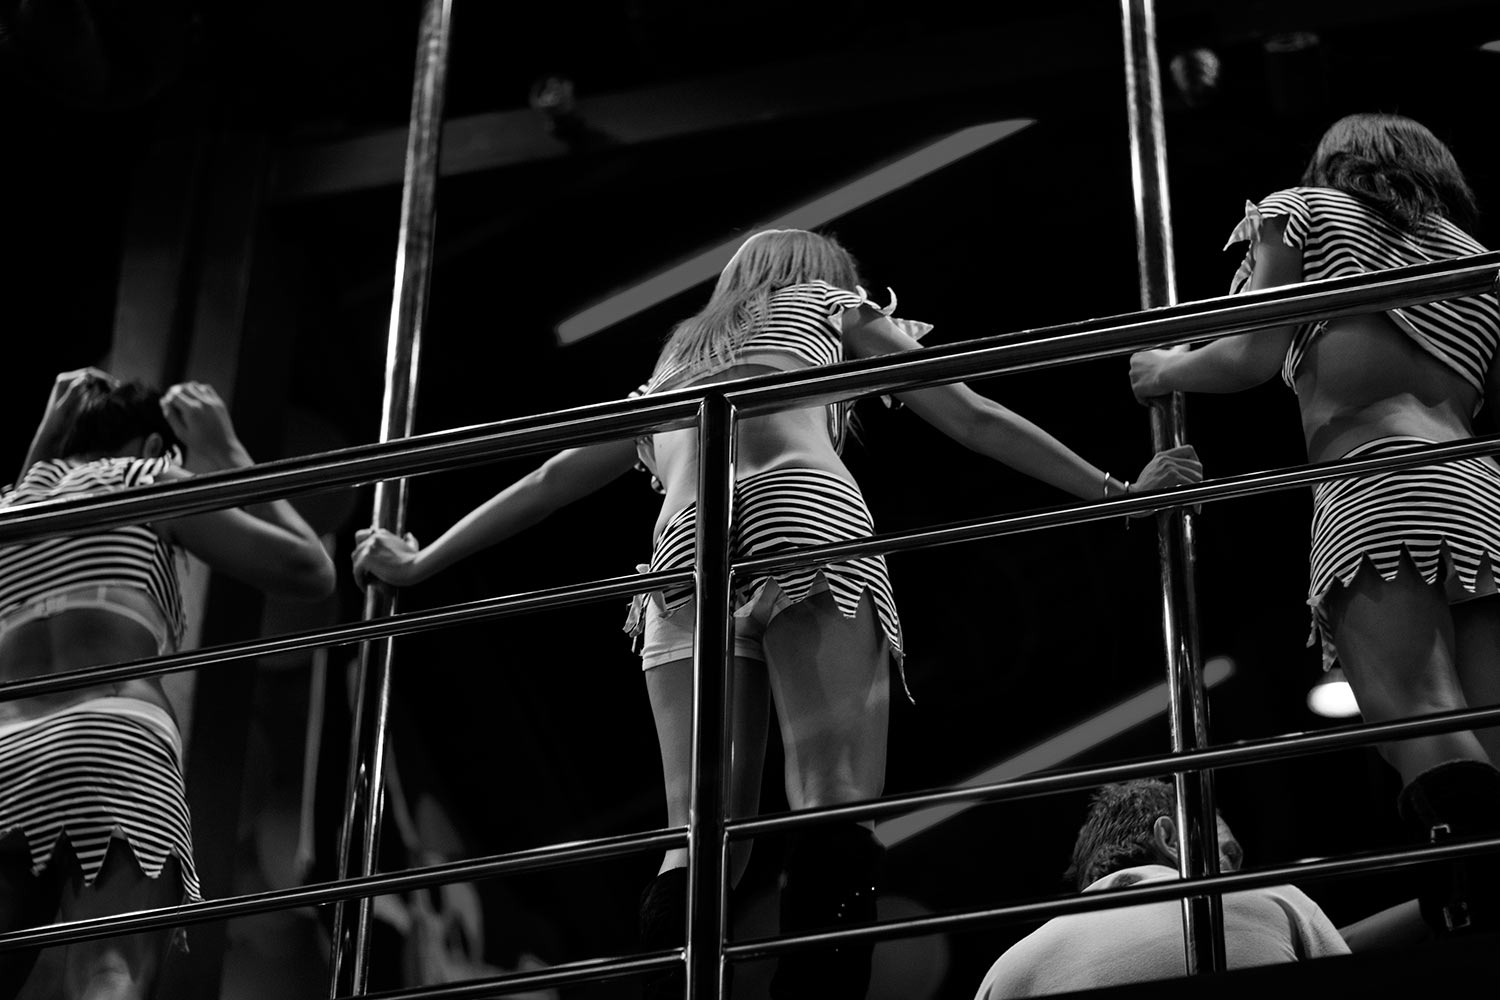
(845, 198)
(1332, 697)
(1049, 753)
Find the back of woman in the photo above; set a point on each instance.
(77, 601)
(1419, 369)
(1401, 568)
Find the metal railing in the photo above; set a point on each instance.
(713, 409)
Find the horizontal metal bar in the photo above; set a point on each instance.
(1083, 511)
(1233, 755)
(567, 974)
(402, 624)
(1088, 340)
(512, 863)
(1065, 343)
(1094, 510)
(358, 465)
(1133, 896)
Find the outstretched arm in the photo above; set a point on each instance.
(1230, 364)
(998, 432)
(565, 477)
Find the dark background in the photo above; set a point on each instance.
(535, 730)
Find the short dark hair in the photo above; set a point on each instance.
(110, 416)
(1397, 166)
(1118, 832)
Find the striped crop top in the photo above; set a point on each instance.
(1339, 235)
(127, 555)
(803, 328)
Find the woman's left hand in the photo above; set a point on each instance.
(1148, 371)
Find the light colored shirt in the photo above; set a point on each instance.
(1133, 944)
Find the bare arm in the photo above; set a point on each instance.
(993, 430)
(69, 390)
(268, 546)
(1230, 364)
(565, 477)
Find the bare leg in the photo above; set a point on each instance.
(670, 687)
(1396, 642)
(831, 678)
(1476, 626)
(119, 968)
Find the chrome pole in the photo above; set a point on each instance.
(413, 273)
(1196, 819)
(713, 650)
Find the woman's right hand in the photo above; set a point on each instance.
(1177, 466)
(380, 554)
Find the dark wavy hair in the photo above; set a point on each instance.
(1118, 832)
(109, 417)
(1395, 165)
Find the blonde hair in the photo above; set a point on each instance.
(765, 263)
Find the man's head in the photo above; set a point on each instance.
(1131, 823)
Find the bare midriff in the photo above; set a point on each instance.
(788, 439)
(1363, 378)
(75, 638)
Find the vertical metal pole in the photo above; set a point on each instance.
(1196, 819)
(713, 651)
(403, 348)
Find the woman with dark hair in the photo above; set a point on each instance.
(93, 814)
(1403, 589)
(817, 643)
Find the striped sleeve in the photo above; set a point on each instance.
(1289, 205)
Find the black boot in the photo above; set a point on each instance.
(1457, 800)
(832, 876)
(663, 924)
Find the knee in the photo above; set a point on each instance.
(103, 973)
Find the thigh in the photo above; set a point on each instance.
(830, 679)
(670, 689)
(132, 961)
(1396, 641)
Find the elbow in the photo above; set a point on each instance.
(309, 575)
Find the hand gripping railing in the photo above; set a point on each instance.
(713, 409)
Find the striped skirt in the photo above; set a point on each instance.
(775, 512)
(104, 768)
(1446, 518)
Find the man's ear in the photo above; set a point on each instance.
(153, 446)
(1164, 833)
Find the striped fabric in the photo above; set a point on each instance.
(775, 512)
(92, 772)
(132, 555)
(803, 328)
(1339, 235)
(1446, 518)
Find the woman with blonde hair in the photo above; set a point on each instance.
(817, 644)
(1402, 581)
